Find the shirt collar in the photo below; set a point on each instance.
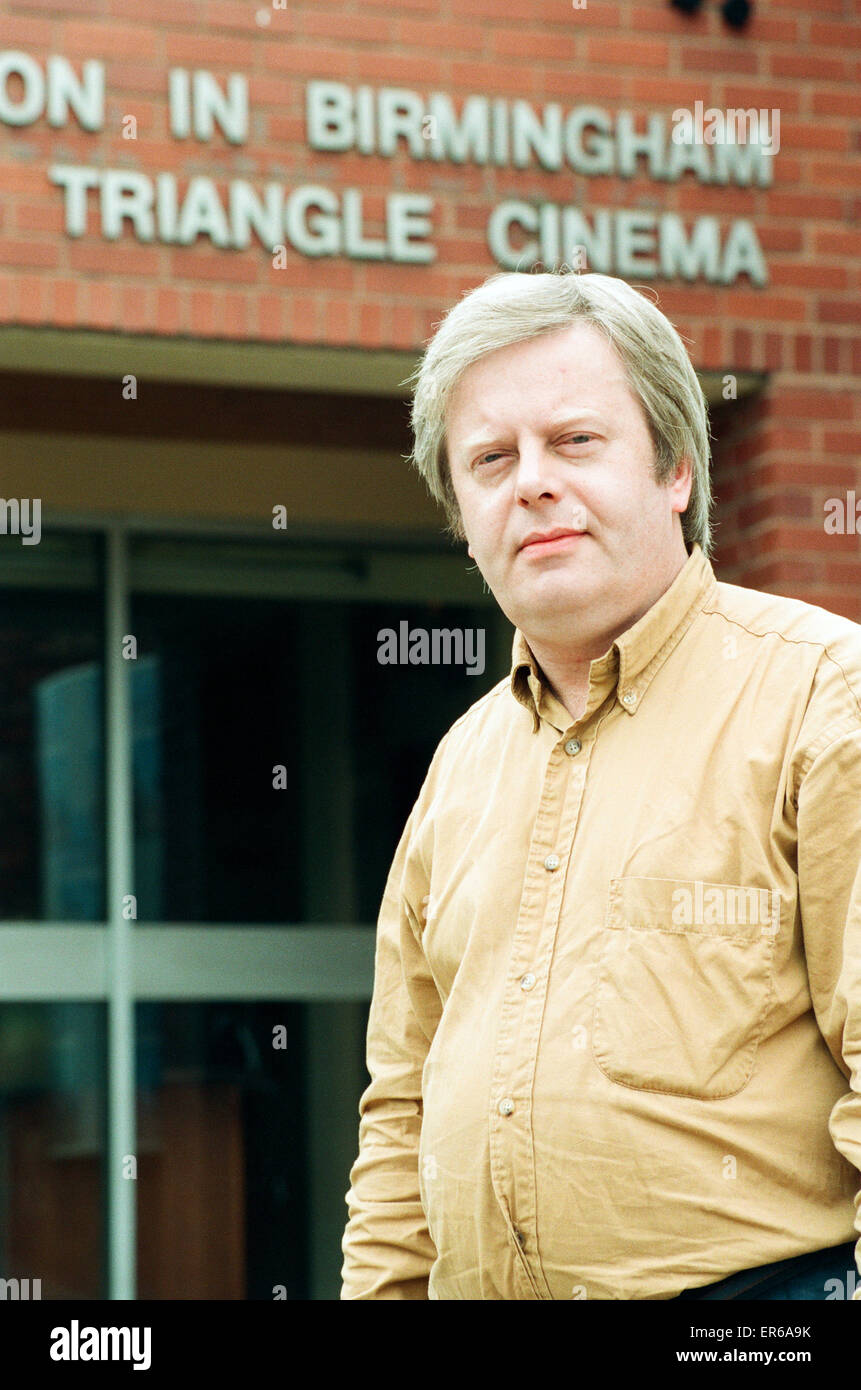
(634, 657)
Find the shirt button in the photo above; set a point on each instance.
(520, 1238)
(551, 862)
(629, 698)
(505, 1106)
(573, 746)
(527, 981)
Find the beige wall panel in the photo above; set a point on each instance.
(80, 474)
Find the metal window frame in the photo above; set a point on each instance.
(121, 963)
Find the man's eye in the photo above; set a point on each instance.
(587, 437)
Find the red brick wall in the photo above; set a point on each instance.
(776, 460)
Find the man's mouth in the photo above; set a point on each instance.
(542, 542)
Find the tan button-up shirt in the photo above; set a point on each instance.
(615, 1036)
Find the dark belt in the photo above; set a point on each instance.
(835, 1262)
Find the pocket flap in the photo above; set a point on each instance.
(743, 912)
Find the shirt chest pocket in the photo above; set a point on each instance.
(683, 985)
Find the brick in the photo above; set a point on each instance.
(784, 438)
(536, 12)
(838, 310)
(339, 321)
(450, 38)
(808, 65)
(59, 7)
(804, 352)
(768, 28)
(370, 324)
(391, 69)
(82, 41)
(804, 205)
(713, 353)
(795, 504)
(835, 173)
(114, 258)
(270, 317)
(303, 315)
(787, 538)
(64, 302)
(404, 330)
(174, 13)
(751, 513)
(811, 274)
(843, 442)
(742, 348)
(127, 78)
(15, 178)
(774, 236)
(813, 135)
(838, 6)
(218, 266)
(168, 310)
(32, 299)
(844, 571)
(761, 96)
(802, 474)
(202, 313)
(340, 64)
(199, 51)
(650, 18)
(430, 6)
(696, 197)
(842, 103)
(39, 217)
(718, 59)
(806, 404)
(27, 34)
(645, 53)
(834, 34)
(29, 253)
(755, 304)
(517, 43)
(348, 28)
(231, 15)
(101, 305)
(665, 91)
(134, 306)
(565, 19)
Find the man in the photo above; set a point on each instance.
(615, 1037)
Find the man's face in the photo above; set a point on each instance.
(547, 435)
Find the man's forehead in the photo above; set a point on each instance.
(570, 353)
(483, 399)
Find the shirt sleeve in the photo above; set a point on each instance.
(388, 1252)
(829, 877)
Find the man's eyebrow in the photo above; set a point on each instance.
(562, 418)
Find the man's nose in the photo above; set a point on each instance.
(539, 473)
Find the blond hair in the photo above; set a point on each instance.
(511, 307)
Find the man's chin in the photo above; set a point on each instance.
(535, 603)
